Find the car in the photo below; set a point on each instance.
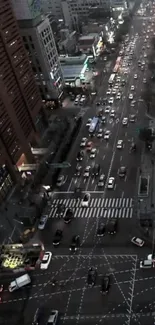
(105, 285)
(83, 142)
(144, 80)
(103, 119)
(88, 122)
(89, 146)
(101, 181)
(98, 104)
(125, 121)
(132, 87)
(107, 134)
(107, 109)
(57, 237)
(87, 172)
(42, 222)
(100, 112)
(92, 276)
(132, 118)
(108, 92)
(146, 264)
(85, 200)
(135, 76)
(53, 318)
(132, 103)
(100, 133)
(93, 153)
(96, 170)
(80, 155)
(114, 91)
(61, 180)
(112, 226)
(101, 229)
(112, 113)
(119, 144)
(111, 100)
(122, 171)
(75, 243)
(104, 100)
(145, 55)
(60, 210)
(118, 96)
(137, 241)
(46, 260)
(68, 215)
(111, 183)
(133, 147)
(78, 170)
(131, 96)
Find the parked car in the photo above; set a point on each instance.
(112, 226)
(101, 229)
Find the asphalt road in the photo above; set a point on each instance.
(131, 296)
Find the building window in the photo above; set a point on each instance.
(32, 45)
(27, 47)
(30, 38)
(24, 38)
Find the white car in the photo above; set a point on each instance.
(149, 257)
(107, 135)
(118, 96)
(107, 110)
(111, 183)
(88, 122)
(111, 100)
(85, 200)
(42, 222)
(46, 260)
(108, 92)
(83, 142)
(101, 180)
(131, 96)
(125, 121)
(100, 133)
(146, 264)
(144, 80)
(119, 144)
(87, 172)
(135, 76)
(93, 153)
(114, 91)
(132, 87)
(53, 318)
(112, 113)
(137, 241)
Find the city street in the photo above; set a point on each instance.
(131, 295)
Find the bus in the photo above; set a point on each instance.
(116, 68)
(94, 124)
(111, 79)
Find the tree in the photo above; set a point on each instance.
(146, 135)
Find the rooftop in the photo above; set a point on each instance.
(71, 72)
(88, 37)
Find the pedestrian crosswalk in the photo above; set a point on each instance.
(98, 207)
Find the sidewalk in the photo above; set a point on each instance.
(147, 204)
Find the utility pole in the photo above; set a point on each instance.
(153, 240)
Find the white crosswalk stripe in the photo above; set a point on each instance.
(98, 207)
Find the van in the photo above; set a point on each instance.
(146, 264)
(19, 282)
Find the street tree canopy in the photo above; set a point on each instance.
(146, 134)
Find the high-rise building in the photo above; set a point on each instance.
(20, 101)
(52, 6)
(38, 38)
